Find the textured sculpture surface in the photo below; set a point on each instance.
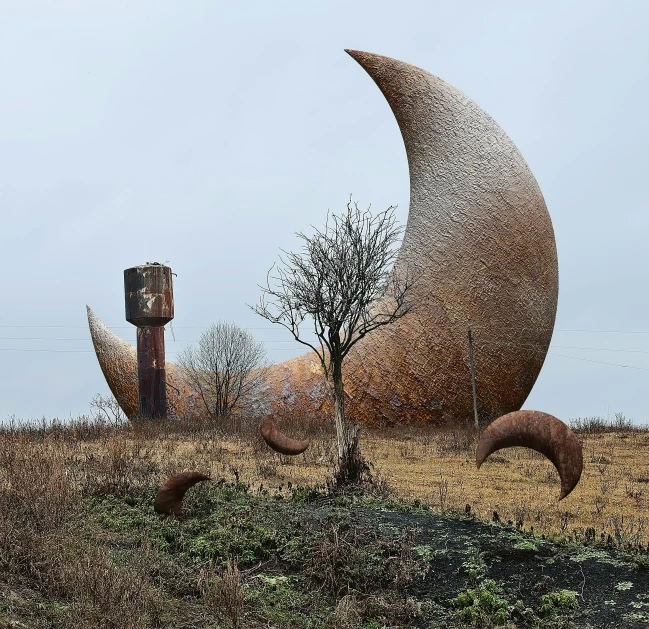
(280, 442)
(541, 432)
(118, 362)
(169, 499)
(480, 242)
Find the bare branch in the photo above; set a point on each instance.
(338, 278)
(226, 366)
(343, 280)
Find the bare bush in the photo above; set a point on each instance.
(223, 594)
(457, 440)
(599, 425)
(227, 366)
(107, 408)
(108, 595)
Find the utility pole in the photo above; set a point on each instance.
(475, 395)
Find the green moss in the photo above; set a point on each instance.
(482, 606)
(278, 599)
(474, 566)
(558, 603)
(427, 553)
(302, 494)
(246, 540)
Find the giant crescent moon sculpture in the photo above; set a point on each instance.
(541, 432)
(480, 243)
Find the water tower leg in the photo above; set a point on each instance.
(151, 371)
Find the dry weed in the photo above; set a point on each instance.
(223, 593)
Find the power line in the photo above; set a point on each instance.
(58, 351)
(525, 346)
(124, 327)
(448, 325)
(540, 349)
(88, 339)
(588, 360)
(607, 331)
(92, 351)
(602, 349)
(537, 347)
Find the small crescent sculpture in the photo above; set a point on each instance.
(479, 242)
(279, 442)
(169, 499)
(541, 432)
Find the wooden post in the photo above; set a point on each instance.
(475, 395)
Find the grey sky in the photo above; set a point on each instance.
(206, 133)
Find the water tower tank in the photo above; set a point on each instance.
(149, 296)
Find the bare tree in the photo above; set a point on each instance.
(227, 365)
(107, 406)
(344, 281)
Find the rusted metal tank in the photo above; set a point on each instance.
(149, 295)
(148, 292)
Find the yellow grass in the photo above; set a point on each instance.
(435, 466)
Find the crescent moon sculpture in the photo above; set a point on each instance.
(541, 432)
(169, 499)
(279, 442)
(479, 241)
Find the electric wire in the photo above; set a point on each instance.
(537, 348)
(200, 327)
(527, 347)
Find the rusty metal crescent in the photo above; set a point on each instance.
(169, 499)
(280, 442)
(480, 243)
(541, 432)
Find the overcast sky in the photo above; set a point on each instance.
(205, 134)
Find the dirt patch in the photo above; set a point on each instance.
(613, 590)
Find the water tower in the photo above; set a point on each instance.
(149, 297)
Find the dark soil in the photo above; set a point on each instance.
(612, 586)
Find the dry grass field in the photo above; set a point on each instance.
(80, 545)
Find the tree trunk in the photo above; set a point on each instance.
(350, 463)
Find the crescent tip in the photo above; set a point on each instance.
(565, 492)
(484, 450)
(571, 481)
(364, 58)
